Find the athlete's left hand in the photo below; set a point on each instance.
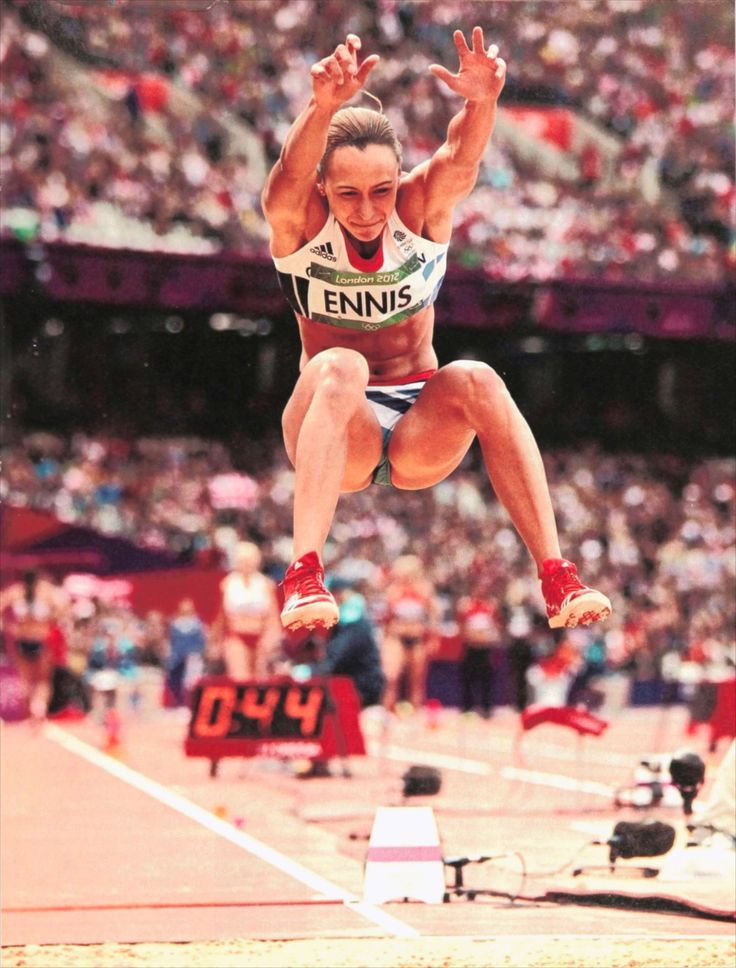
(482, 72)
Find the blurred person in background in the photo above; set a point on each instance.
(113, 666)
(34, 611)
(247, 631)
(478, 626)
(552, 675)
(360, 249)
(185, 657)
(410, 630)
(351, 646)
(153, 639)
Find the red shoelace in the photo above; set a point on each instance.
(309, 582)
(565, 581)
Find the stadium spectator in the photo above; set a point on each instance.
(655, 531)
(185, 658)
(94, 158)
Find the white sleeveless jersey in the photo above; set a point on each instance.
(321, 283)
(246, 598)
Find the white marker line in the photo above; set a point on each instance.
(432, 758)
(478, 768)
(558, 781)
(554, 752)
(275, 858)
(592, 827)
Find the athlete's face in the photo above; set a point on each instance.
(247, 560)
(360, 186)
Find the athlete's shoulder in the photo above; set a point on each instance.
(289, 239)
(410, 200)
(318, 228)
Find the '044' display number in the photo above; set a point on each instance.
(242, 710)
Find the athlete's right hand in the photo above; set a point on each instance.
(335, 79)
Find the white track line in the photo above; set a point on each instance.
(558, 781)
(463, 765)
(555, 752)
(257, 848)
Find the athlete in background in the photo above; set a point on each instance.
(479, 630)
(410, 630)
(360, 248)
(33, 611)
(247, 630)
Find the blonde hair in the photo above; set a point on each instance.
(247, 551)
(358, 127)
(407, 567)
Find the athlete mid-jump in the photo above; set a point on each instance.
(361, 249)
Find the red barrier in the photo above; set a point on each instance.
(583, 722)
(161, 591)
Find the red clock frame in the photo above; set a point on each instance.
(278, 717)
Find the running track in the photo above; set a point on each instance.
(145, 846)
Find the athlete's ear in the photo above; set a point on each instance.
(321, 187)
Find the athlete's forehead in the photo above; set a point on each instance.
(369, 167)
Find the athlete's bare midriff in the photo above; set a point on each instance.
(395, 352)
(246, 624)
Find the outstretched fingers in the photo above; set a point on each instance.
(366, 67)
(442, 74)
(478, 42)
(326, 70)
(460, 42)
(346, 59)
(341, 67)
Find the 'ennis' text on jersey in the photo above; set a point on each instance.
(325, 282)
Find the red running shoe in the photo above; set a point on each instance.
(569, 602)
(307, 603)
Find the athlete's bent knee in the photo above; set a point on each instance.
(476, 382)
(343, 366)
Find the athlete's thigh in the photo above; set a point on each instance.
(365, 441)
(433, 436)
(393, 657)
(234, 653)
(417, 660)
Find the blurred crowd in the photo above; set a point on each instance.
(656, 533)
(98, 149)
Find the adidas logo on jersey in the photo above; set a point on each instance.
(324, 251)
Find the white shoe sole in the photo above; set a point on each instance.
(587, 608)
(314, 615)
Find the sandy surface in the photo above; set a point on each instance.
(551, 952)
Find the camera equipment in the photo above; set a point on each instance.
(688, 773)
(458, 888)
(421, 781)
(647, 791)
(650, 838)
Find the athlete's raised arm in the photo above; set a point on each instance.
(290, 184)
(451, 173)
